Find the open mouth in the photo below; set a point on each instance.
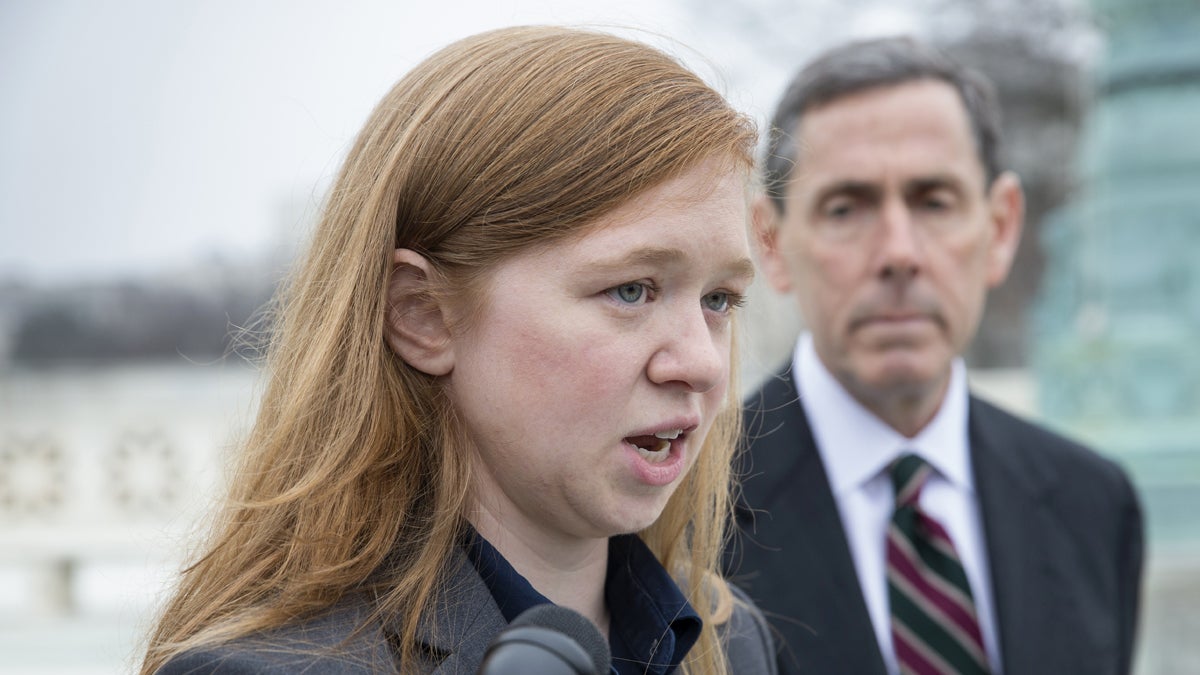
(657, 447)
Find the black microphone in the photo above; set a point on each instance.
(548, 640)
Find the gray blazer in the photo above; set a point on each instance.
(452, 642)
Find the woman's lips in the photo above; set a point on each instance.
(660, 465)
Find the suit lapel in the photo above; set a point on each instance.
(798, 513)
(830, 565)
(1025, 547)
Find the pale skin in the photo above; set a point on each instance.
(617, 333)
(889, 239)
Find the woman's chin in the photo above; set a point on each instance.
(637, 517)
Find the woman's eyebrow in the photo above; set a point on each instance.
(742, 268)
(646, 256)
(666, 257)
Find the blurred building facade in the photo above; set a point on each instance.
(1119, 316)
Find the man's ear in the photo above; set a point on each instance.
(416, 327)
(764, 223)
(1007, 204)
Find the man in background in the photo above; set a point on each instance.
(891, 522)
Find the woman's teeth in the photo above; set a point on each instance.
(659, 453)
(657, 447)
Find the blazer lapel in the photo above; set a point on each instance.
(464, 622)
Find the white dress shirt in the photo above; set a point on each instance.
(856, 448)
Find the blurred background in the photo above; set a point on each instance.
(161, 163)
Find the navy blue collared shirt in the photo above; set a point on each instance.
(652, 626)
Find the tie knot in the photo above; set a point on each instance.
(909, 473)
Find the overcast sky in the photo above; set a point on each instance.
(139, 135)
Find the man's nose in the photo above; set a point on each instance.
(900, 252)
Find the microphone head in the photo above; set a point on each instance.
(575, 626)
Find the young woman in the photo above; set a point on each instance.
(500, 377)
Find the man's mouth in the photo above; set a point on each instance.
(657, 447)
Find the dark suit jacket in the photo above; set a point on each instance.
(1062, 526)
(454, 642)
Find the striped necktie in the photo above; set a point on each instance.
(934, 626)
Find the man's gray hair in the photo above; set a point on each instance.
(869, 64)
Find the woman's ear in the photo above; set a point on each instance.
(416, 327)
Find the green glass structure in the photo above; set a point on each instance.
(1118, 320)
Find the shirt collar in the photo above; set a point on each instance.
(650, 615)
(651, 620)
(855, 445)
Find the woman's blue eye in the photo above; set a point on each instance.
(723, 301)
(630, 293)
(717, 301)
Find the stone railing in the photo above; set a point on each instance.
(108, 466)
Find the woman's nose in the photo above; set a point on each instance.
(690, 353)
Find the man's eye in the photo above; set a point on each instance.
(631, 293)
(839, 210)
(935, 200)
